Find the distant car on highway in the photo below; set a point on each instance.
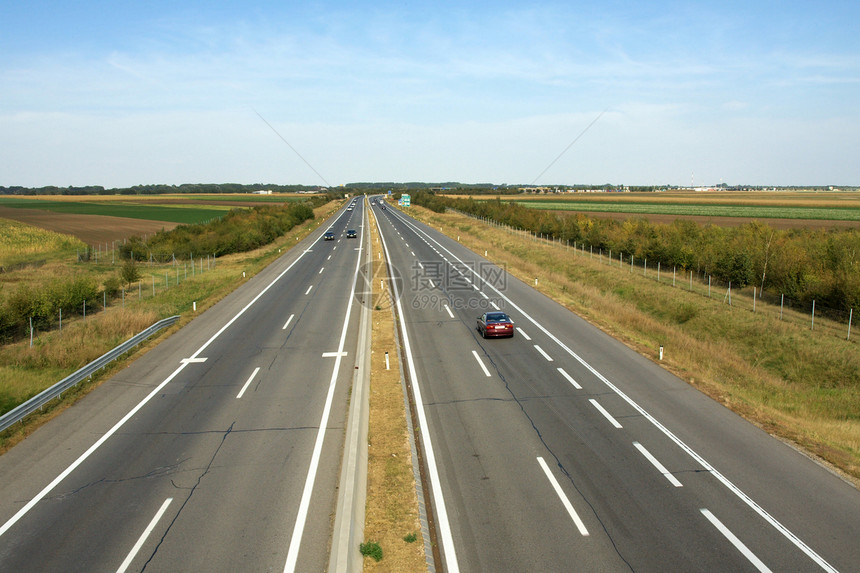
(495, 324)
(382, 207)
(328, 236)
(351, 234)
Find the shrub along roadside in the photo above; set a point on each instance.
(802, 264)
(800, 387)
(240, 230)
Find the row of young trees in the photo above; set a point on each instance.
(802, 264)
(239, 230)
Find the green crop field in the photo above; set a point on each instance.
(692, 209)
(184, 214)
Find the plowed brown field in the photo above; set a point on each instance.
(92, 229)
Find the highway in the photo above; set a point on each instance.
(217, 450)
(560, 449)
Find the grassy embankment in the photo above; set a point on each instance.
(391, 518)
(25, 371)
(796, 384)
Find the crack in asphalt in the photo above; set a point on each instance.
(188, 497)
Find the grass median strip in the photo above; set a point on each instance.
(391, 519)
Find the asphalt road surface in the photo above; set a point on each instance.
(562, 450)
(218, 450)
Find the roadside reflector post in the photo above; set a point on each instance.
(243, 274)
(661, 352)
(194, 306)
(387, 365)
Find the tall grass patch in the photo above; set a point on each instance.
(21, 244)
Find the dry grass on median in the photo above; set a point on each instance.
(801, 387)
(392, 503)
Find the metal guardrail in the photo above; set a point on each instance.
(36, 402)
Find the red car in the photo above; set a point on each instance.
(495, 324)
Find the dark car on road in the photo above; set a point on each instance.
(351, 234)
(495, 324)
(328, 236)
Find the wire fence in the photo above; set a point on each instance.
(815, 317)
(156, 277)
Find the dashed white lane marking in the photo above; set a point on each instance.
(543, 353)
(334, 354)
(146, 532)
(248, 383)
(523, 334)
(561, 495)
(309, 289)
(286, 324)
(451, 314)
(478, 358)
(608, 416)
(660, 467)
(569, 378)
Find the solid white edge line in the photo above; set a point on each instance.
(751, 503)
(524, 335)
(564, 501)
(739, 545)
(245, 387)
(286, 324)
(445, 537)
(606, 414)
(545, 355)
(481, 364)
(143, 537)
(656, 463)
(451, 314)
(304, 505)
(569, 378)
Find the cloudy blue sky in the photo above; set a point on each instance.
(119, 94)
